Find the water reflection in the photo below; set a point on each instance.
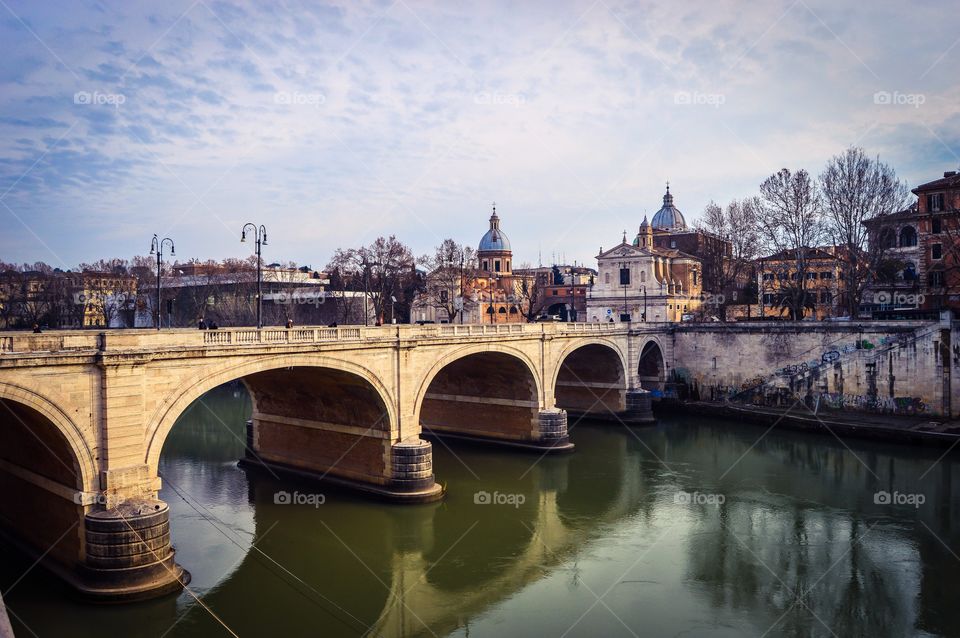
(601, 542)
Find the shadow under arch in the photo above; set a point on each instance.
(490, 393)
(651, 371)
(591, 379)
(43, 473)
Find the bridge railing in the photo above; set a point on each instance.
(146, 339)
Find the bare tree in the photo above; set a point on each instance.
(530, 291)
(729, 269)
(857, 189)
(451, 270)
(791, 222)
(384, 268)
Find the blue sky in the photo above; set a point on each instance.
(335, 123)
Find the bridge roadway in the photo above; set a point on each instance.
(86, 415)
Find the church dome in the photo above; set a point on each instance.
(669, 216)
(494, 239)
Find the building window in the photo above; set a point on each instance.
(811, 275)
(908, 237)
(624, 276)
(936, 251)
(606, 278)
(673, 243)
(496, 265)
(826, 297)
(909, 272)
(935, 227)
(694, 277)
(826, 275)
(508, 265)
(768, 276)
(888, 238)
(643, 276)
(486, 265)
(767, 298)
(936, 279)
(935, 202)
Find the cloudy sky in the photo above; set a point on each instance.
(335, 123)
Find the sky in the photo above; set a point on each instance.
(332, 124)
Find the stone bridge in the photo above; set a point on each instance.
(85, 417)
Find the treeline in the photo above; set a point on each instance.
(795, 210)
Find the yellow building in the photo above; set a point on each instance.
(807, 284)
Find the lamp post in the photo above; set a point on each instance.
(573, 296)
(463, 304)
(156, 248)
(261, 239)
(366, 292)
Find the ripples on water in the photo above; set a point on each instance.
(626, 536)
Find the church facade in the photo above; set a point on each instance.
(648, 279)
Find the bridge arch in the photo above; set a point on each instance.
(166, 415)
(591, 377)
(46, 474)
(65, 426)
(651, 365)
(482, 390)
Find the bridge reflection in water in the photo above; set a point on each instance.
(798, 542)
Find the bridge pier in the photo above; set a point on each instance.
(128, 553)
(397, 471)
(639, 408)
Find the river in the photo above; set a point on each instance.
(693, 527)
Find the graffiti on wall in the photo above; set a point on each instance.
(831, 356)
(892, 405)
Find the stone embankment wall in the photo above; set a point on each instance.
(891, 367)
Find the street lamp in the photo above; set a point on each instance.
(156, 248)
(573, 296)
(366, 292)
(261, 238)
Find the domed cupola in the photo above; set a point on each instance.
(669, 216)
(494, 254)
(494, 239)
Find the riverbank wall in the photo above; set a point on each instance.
(885, 367)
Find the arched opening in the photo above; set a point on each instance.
(650, 370)
(42, 486)
(591, 380)
(908, 237)
(487, 394)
